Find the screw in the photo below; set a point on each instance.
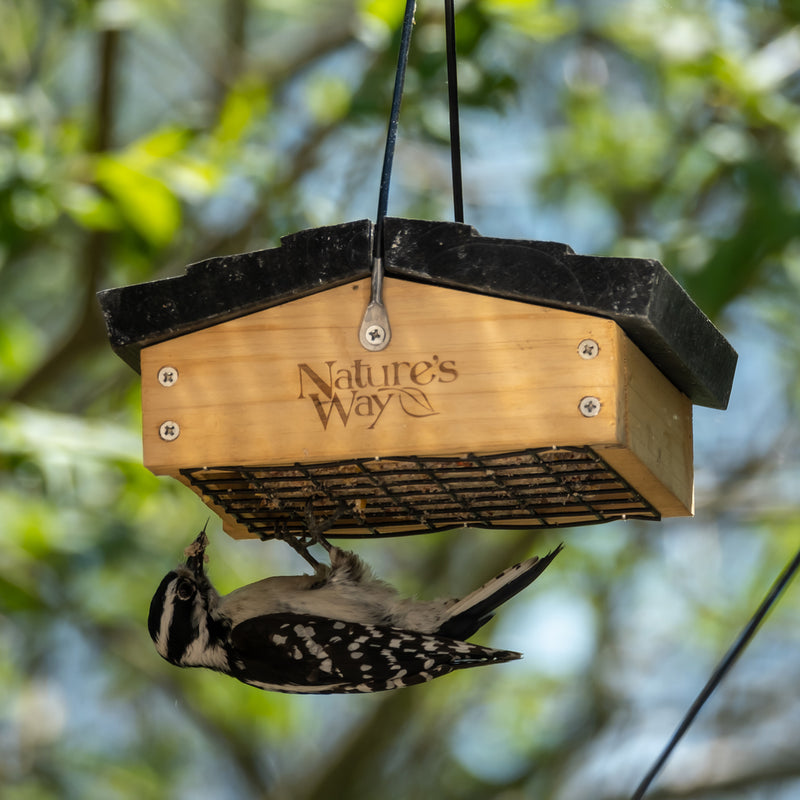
(169, 431)
(588, 349)
(376, 334)
(589, 406)
(167, 376)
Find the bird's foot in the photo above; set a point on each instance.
(298, 543)
(301, 542)
(316, 528)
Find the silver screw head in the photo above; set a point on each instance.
(588, 348)
(589, 406)
(167, 376)
(169, 430)
(375, 334)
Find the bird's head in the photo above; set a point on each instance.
(180, 621)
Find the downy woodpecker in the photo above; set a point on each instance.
(338, 630)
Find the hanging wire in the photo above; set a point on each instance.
(452, 97)
(375, 331)
(719, 673)
(394, 116)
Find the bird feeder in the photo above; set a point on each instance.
(406, 376)
(523, 386)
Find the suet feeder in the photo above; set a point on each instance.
(523, 385)
(502, 383)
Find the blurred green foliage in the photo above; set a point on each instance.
(137, 137)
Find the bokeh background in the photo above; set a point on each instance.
(138, 136)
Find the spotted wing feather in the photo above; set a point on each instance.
(311, 654)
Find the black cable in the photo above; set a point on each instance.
(394, 116)
(719, 673)
(452, 97)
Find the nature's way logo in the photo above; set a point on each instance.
(365, 391)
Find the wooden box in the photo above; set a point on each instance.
(481, 411)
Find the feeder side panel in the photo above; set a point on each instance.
(655, 454)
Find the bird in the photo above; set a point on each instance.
(339, 630)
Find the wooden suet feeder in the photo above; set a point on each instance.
(523, 386)
(518, 384)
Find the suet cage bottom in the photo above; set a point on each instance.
(534, 488)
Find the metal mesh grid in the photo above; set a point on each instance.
(535, 488)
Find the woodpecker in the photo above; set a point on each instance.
(339, 630)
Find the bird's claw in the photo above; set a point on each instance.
(301, 542)
(296, 542)
(315, 529)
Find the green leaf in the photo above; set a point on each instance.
(89, 208)
(389, 12)
(536, 18)
(20, 345)
(146, 203)
(244, 105)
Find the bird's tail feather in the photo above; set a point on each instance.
(473, 611)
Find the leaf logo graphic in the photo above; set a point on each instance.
(414, 402)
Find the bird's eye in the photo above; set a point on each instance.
(185, 590)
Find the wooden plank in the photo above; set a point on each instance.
(463, 372)
(656, 435)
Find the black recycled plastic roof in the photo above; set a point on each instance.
(638, 294)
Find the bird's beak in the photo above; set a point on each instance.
(195, 552)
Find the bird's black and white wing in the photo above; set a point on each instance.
(312, 654)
